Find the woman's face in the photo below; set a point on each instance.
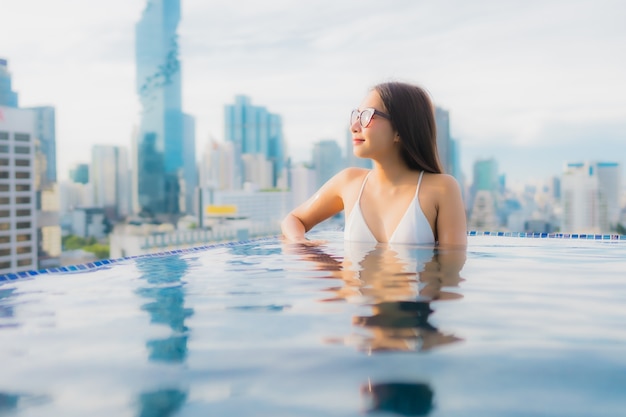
(378, 137)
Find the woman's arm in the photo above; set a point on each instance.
(451, 216)
(326, 202)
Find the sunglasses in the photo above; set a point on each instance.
(365, 116)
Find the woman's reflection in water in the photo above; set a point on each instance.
(399, 282)
(403, 398)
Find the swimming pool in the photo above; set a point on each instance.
(515, 326)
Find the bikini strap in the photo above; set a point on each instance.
(363, 187)
(418, 183)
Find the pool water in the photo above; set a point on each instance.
(511, 327)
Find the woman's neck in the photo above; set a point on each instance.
(391, 173)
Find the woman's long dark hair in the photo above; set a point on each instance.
(412, 115)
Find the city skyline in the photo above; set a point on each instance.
(533, 85)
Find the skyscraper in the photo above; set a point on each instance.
(43, 141)
(160, 141)
(8, 97)
(327, 160)
(45, 147)
(442, 120)
(109, 172)
(254, 130)
(190, 170)
(483, 196)
(590, 195)
(18, 206)
(80, 173)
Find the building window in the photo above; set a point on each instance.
(22, 162)
(4, 200)
(4, 162)
(4, 135)
(22, 175)
(19, 200)
(22, 212)
(4, 148)
(5, 213)
(24, 262)
(5, 252)
(23, 238)
(4, 174)
(23, 249)
(5, 265)
(22, 150)
(22, 137)
(4, 187)
(5, 239)
(22, 225)
(22, 187)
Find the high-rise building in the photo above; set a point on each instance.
(160, 140)
(190, 170)
(45, 146)
(8, 97)
(254, 130)
(43, 140)
(80, 173)
(217, 167)
(486, 175)
(590, 196)
(303, 183)
(444, 145)
(109, 173)
(18, 205)
(257, 171)
(327, 160)
(485, 185)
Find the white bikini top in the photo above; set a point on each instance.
(412, 229)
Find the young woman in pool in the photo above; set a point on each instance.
(405, 198)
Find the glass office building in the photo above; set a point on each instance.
(160, 138)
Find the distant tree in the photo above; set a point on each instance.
(101, 251)
(620, 229)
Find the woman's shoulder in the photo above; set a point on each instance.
(442, 182)
(351, 174)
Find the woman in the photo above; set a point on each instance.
(405, 198)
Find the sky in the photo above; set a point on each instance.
(533, 84)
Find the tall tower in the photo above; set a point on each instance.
(254, 130)
(8, 97)
(42, 138)
(590, 195)
(108, 175)
(444, 147)
(160, 141)
(45, 148)
(327, 160)
(18, 205)
(484, 193)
